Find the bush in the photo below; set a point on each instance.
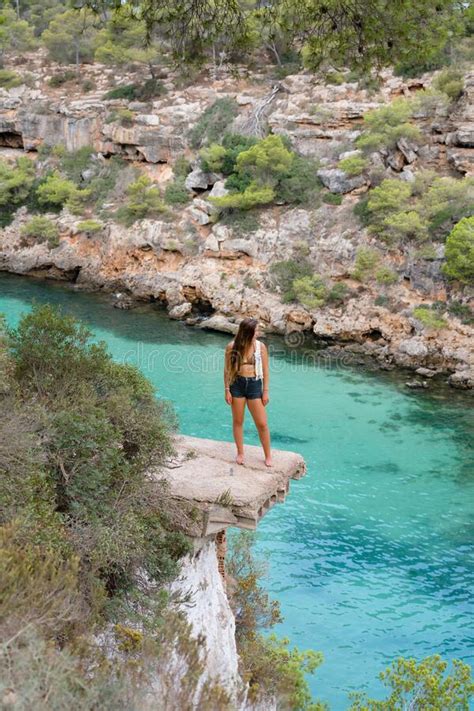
(252, 196)
(332, 199)
(63, 78)
(74, 163)
(15, 185)
(300, 184)
(58, 191)
(338, 293)
(150, 89)
(460, 252)
(421, 685)
(176, 193)
(181, 167)
(335, 78)
(266, 161)
(311, 291)
(461, 311)
(213, 122)
(428, 317)
(353, 165)
(386, 276)
(365, 263)
(286, 272)
(90, 227)
(240, 221)
(42, 229)
(385, 126)
(446, 202)
(144, 200)
(450, 82)
(124, 117)
(9, 79)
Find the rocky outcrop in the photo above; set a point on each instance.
(211, 274)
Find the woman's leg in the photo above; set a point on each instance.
(238, 411)
(259, 414)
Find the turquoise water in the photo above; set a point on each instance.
(371, 556)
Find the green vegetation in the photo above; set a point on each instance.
(213, 122)
(243, 222)
(385, 126)
(332, 199)
(460, 252)
(297, 281)
(429, 317)
(143, 200)
(365, 263)
(420, 685)
(428, 208)
(85, 538)
(311, 291)
(42, 229)
(70, 36)
(176, 193)
(15, 183)
(450, 82)
(90, 227)
(9, 79)
(150, 89)
(57, 191)
(386, 276)
(260, 172)
(285, 273)
(122, 116)
(266, 662)
(353, 165)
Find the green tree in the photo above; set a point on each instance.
(58, 191)
(42, 229)
(15, 182)
(143, 200)
(16, 35)
(420, 686)
(390, 196)
(460, 251)
(123, 41)
(387, 125)
(70, 36)
(311, 291)
(266, 161)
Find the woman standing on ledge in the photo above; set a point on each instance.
(246, 380)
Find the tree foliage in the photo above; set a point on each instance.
(460, 251)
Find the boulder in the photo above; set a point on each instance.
(413, 347)
(218, 189)
(199, 180)
(339, 182)
(180, 311)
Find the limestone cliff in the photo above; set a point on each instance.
(202, 269)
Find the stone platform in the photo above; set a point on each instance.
(214, 492)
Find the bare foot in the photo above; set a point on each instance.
(268, 461)
(239, 459)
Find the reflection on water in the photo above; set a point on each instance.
(371, 556)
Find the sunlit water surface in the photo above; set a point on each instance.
(371, 555)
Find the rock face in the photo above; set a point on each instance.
(212, 274)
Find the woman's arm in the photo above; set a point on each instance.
(266, 375)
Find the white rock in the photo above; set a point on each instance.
(413, 347)
(218, 189)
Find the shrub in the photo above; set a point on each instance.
(421, 685)
(126, 91)
(88, 85)
(404, 225)
(353, 165)
(361, 210)
(176, 193)
(461, 311)
(266, 161)
(332, 199)
(338, 293)
(450, 82)
(428, 317)
(55, 190)
(144, 200)
(123, 116)
(213, 122)
(386, 276)
(150, 89)
(390, 196)
(286, 272)
(252, 196)
(446, 202)
(74, 163)
(42, 229)
(460, 252)
(62, 78)
(387, 125)
(365, 263)
(90, 227)
(240, 221)
(300, 184)
(15, 182)
(212, 157)
(9, 79)
(335, 78)
(310, 291)
(181, 167)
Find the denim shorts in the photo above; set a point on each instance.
(249, 387)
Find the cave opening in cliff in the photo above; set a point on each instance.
(11, 139)
(202, 307)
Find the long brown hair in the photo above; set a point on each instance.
(242, 341)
